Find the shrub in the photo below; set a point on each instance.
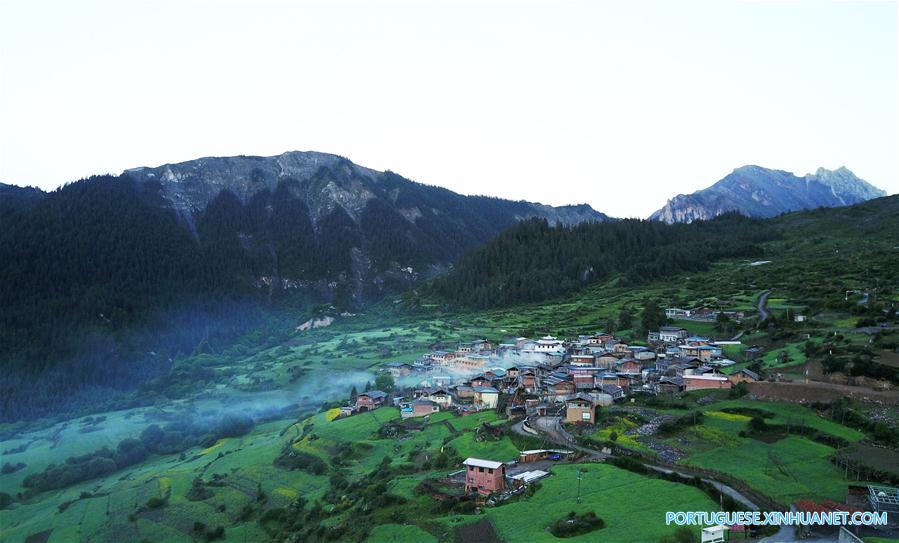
(575, 524)
(156, 502)
(130, 451)
(199, 491)
(217, 533)
(628, 463)
(11, 468)
(291, 460)
(739, 390)
(757, 424)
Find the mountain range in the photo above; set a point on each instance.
(299, 219)
(107, 280)
(761, 192)
(327, 182)
(214, 242)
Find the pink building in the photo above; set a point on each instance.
(368, 401)
(485, 476)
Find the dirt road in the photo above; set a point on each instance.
(763, 306)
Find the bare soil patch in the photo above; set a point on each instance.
(819, 392)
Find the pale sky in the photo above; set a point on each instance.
(617, 104)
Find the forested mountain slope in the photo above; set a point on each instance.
(534, 261)
(86, 269)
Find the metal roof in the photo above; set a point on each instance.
(538, 451)
(530, 476)
(479, 463)
(485, 390)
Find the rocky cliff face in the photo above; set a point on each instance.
(315, 219)
(761, 192)
(324, 181)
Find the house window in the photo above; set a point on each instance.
(480, 470)
(489, 470)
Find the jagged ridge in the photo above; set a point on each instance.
(762, 192)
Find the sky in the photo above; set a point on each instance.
(620, 105)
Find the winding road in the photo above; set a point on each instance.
(551, 427)
(763, 306)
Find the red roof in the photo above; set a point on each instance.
(825, 506)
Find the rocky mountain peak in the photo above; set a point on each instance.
(761, 192)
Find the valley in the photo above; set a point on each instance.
(442, 272)
(290, 467)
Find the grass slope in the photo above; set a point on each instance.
(611, 493)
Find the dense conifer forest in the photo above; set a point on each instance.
(533, 260)
(105, 281)
(102, 288)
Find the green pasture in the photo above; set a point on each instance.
(615, 495)
(99, 509)
(788, 413)
(325, 436)
(500, 450)
(697, 328)
(787, 470)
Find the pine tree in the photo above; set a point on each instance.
(653, 317)
(625, 319)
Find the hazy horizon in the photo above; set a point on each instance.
(618, 105)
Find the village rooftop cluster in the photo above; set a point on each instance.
(551, 375)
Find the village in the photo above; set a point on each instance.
(522, 376)
(557, 388)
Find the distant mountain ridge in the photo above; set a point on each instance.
(761, 192)
(318, 219)
(326, 181)
(306, 220)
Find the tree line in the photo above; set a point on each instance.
(534, 260)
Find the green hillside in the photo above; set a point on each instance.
(337, 485)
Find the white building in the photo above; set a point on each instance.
(549, 344)
(673, 313)
(486, 397)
